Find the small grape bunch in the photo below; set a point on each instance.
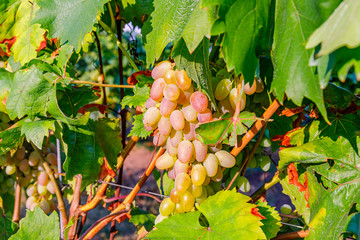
(25, 165)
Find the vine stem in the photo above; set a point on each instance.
(16, 214)
(102, 84)
(256, 195)
(292, 235)
(119, 44)
(127, 201)
(49, 171)
(102, 189)
(74, 205)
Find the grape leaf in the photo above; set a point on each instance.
(7, 226)
(68, 20)
(228, 214)
(164, 183)
(272, 219)
(196, 64)
(6, 78)
(29, 94)
(138, 129)
(332, 173)
(173, 19)
(339, 97)
(141, 218)
(294, 22)
(141, 94)
(38, 225)
(10, 139)
(85, 147)
(125, 3)
(242, 22)
(138, 12)
(35, 131)
(340, 29)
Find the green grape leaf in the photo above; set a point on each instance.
(340, 29)
(86, 146)
(125, 3)
(228, 214)
(10, 139)
(142, 218)
(138, 129)
(243, 22)
(164, 183)
(272, 219)
(172, 20)
(68, 20)
(338, 97)
(7, 226)
(29, 94)
(196, 64)
(294, 22)
(332, 173)
(38, 225)
(35, 131)
(6, 78)
(141, 94)
(137, 12)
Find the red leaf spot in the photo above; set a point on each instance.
(132, 79)
(255, 212)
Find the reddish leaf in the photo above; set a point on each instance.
(255, 212)
(294, 180)
(101, 108)
(291, 111)
(132, 79)
(42, 44)
(298, 121)
(106, 170)
(9, 43)
(285, 139)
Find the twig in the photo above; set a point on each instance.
(49, 171)
(292, 235)
(119, 44)
(16, 215)
(102, 74)
(102, 85)
(74, 206)
(265, 187)
(83, 217)
(109, 200)
(126, 203)
(102, 189)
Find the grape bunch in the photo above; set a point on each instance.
(174, 110)
(25, 165)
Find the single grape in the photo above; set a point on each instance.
(52, 205)
(167, 107)
(159, 139)
(159, 219)
(43, 178)
(196, 191)
(10, 169)
(150, 103)
(265, 142)
(44, 205)
(198, 174)
(202, 197)
(160, 69)
(178, 208)
(265, 162)
(223, 89)
(243, 184)
(34, 158)
(200, 150)
(259, 85)
(20, 153)
(190, 113)
(253, 162)
(151, 116)
(50, 187)
(218, 176)
(42, 190)
(32, 207)
(184, 96)
(34, 173)
(207, 180)
(166, 207)
(180, 167)
(3, 188)
(171, 92)
(177, 120)
(24, 165)
(164, 126)
(209, 190)
(149, 128)
(225, 159)
(185, 151)
(250, 90)
(170, 148)
(157, 89)
(187, 201)
(286, 209)
(182, 80)
(225, 106)
(182, 182)
(189, 131)
(169, 77)
(30, 201)
(174, 196)
(51, 158)
(199, 102)
(211, 164)
(10, 160)
(234, 98)
(205, 116)
(31, 190)
(165, 161)
(10, 182)
(171, 173)
(52, 147)
(176, 137)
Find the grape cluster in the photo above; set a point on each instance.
(25, 165)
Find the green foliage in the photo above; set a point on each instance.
(141, 218)
(68, 20)
(37, 225)
(36, 131)
(138, 129)
(227, 214)
(6, 225)
(190, 21)
(165, 184)
(272, 219)
(141, 94)
(10, 139)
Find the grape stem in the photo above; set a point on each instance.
(127, 201)
(102, 84)
(109, 200)
(49, 171)
(16, 215)
(74, 205)
(293, 235)
(102, 189)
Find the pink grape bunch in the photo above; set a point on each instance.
(25, 164)
(174, 110)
